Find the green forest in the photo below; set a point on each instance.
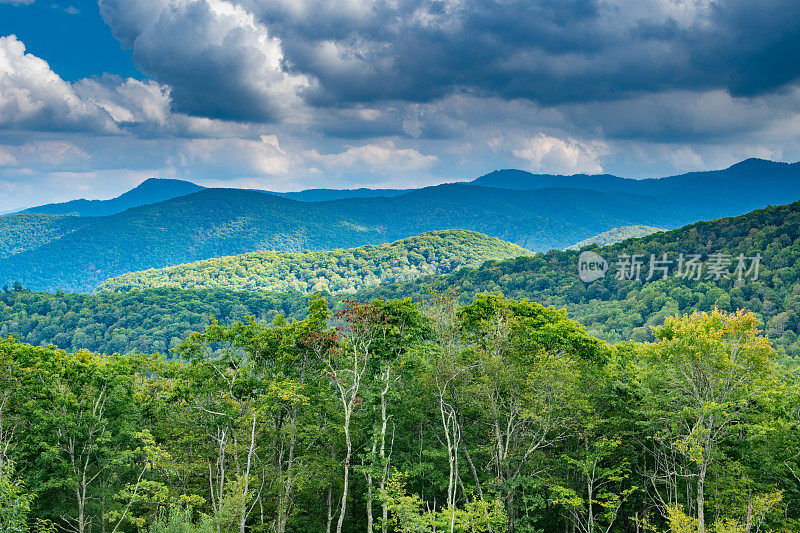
(23, 231)
(616, 235)
(155, 320)
(499, 415)
(151, 228)
(413, 387)
(345, 270)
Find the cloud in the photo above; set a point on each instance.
(219, 60)
(263, 59)
(234, 157)
(33, 96)
(288, 94)
(41, 154)
(127, 100)
(551, 154)
(383, 157)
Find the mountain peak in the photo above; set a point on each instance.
(755, 163)
(150, 191)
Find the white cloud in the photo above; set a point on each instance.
(382, 157)
(33, 96)
(235, 157)
(41, 153)
(127, 100)
(551, 154)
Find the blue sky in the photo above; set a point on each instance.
(288, 94)
(70, 36)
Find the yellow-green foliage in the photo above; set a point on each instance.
(616, 235)
(344, 270)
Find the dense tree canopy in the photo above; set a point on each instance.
(620, 309)
(346, 270)
(499, 415)
(612, 309)
(24, 231)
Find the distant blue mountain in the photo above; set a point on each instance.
(150, 191)
(743, 174)
(324, 195)
(537, 212)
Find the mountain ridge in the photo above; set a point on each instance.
(150, 191)
(157, 319)
(216, 222)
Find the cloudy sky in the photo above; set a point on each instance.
(289, 94)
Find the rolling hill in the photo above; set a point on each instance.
(740, 176)
(324, 195)
(614, 309)
(618, 309)
(615, 235)
(220, 222)
(347, 270)
(20, 232)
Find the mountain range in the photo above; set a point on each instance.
(156, 319)
(535, 211)
(150, 191)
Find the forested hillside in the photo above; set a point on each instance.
(218, 222)
(347, 270)
(612, 309)
(148, 321)
(24, 231)
(615, 235)
(742, 183)
(617, 309)
(324, 195)
(501, 416)
(150, 191)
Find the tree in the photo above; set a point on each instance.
(10, 380)
(705, 378)
(224, 385)
(360, 328)
(527, 361)
(80, 415)
(14, 503)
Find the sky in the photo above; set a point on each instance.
(96, 97)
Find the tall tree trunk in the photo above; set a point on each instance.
(285, 492)
(701, 501)
(346, 484)
(368, 474)
(749, 525)
(330, 508)
(452, 438)
(510, 509)
(250, 451)
(384, 458)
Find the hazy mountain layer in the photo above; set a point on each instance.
(219, 222)
(149, 191)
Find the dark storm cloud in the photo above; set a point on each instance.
(289, 94)
(551, 52)
(217, 59)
